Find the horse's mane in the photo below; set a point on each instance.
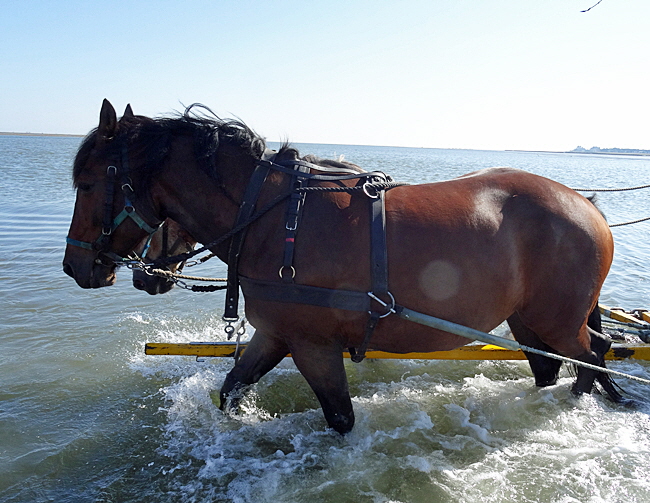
(151, 138)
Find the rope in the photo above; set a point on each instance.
(613, 190)
(378, 186)
(630, 223)
(583, 364)
(620, 190)
(169, 274)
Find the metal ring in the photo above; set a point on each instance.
(390, 309)
(367, 188)
(293, 271)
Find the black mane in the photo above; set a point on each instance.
(151, 138)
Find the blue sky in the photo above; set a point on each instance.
(483, 74)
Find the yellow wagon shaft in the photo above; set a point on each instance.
(621, 315)
(471, 352)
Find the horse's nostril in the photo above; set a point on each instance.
(67, 268)
(139, 284)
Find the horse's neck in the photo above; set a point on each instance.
(206, 207)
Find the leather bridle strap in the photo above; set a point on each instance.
(109, 224)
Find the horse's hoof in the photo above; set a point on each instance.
(340, 423)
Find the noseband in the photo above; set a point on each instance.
(109, 224)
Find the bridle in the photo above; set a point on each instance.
(102, 244)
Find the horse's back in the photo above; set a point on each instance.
(479, 247)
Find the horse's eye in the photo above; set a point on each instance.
(85, 187)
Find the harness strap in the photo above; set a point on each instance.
(293, 293)
(378, 265)
(294, 210)
(309, 165)
(282, 166)
(246, 210)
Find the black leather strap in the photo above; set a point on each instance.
(294, 211)
(292, 293)
(231, 311)
(378, 267)
(376, 302)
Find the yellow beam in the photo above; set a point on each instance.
(471, 352)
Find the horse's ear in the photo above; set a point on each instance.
(107, 120)
(128, 113)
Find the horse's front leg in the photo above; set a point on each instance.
(322, 365)
(262, 354)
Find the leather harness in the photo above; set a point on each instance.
(373, 185)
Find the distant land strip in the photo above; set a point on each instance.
(3, 133)
(583, 152)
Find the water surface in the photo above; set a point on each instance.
(86, 416)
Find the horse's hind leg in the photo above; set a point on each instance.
(600, 344)
(262, 354)
(545, 370)
(322, 366)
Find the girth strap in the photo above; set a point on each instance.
(293, 293)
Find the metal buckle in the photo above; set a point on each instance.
(292, 227)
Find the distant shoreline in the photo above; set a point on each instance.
(2, 133)
(578, 152)
(637, 154)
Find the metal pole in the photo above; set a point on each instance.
(477, 335)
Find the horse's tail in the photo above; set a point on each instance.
(593, 199)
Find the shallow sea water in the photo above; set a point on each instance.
(86, 416)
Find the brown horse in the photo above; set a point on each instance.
(499, 244)
(169, 240)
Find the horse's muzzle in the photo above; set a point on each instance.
(153, 285)
(95, 276)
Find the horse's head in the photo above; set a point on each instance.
(171, 239)
(108, 220)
